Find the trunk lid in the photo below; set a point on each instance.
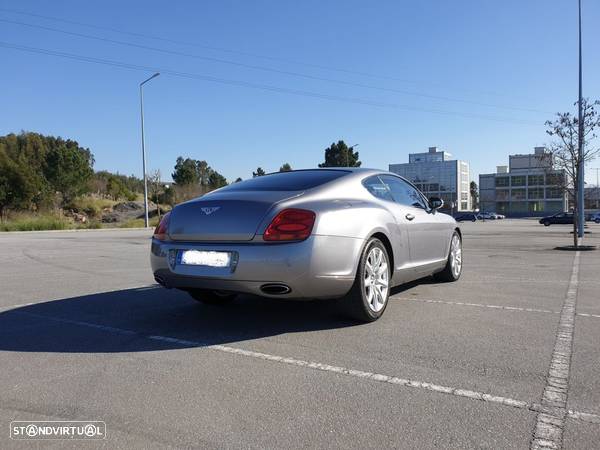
(224, 216)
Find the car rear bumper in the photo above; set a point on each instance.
(319, 267)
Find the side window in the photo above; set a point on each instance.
(377, 188)
(404, 193)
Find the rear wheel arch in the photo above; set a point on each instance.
(457, 229)
(388, 247)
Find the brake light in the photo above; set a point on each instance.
(290, 225)
(161, 230)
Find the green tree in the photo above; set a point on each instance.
(216, 180)
(340, 155)
(259, 172)
(50, 164)
(474, 189)
(100, 179)
(117, 189)
(16, 188)
(168, 196)
(68, 169)
(186, 172)
(285, 168)
(204, 172)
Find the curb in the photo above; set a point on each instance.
(5, 233)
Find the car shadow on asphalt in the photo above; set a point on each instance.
(153, 318)
(136, 319)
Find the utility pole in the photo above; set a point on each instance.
(144, 149)
(581, 199)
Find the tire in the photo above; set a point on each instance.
(454, 264)
(212, 297)
(597, 220)
(370, 292)
(546, 223)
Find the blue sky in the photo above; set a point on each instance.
(476, 78)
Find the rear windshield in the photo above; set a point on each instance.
(288, 181)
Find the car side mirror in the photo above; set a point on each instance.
(436, 203)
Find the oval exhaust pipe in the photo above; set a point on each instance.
(160, 280)
(275, 289)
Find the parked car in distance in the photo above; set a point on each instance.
(498, 216)
(560, 218)
(469, 217)
(487, 216)
(595, 217)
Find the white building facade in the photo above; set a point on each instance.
(529, 186)
(437, 175)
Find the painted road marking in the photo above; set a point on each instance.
(550, 423)
(480, 305)
(465, 393)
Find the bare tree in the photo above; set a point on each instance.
(156, 189)
(564, 151)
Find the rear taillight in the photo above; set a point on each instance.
(290, 225)
(161, 230)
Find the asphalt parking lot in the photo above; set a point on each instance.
(507, 357)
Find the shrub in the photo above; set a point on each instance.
(38, 222)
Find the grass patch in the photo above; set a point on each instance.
(38, 222)
(138, 223)
(91, 206)
(89, 225)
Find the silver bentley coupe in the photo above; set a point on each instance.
(343, 233)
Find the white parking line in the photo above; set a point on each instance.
(372, 376)
(549, 426)
(480, 305)
(597, 316)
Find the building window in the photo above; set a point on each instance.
(502, 194)
(448, 199)
(518, 180)
(501, 181)
(502, 207)
(536, 207)
(536, 192)
(517, 194)
(464, 205)
(518, 207)
(554, 179)
(552, 207)
(535, 180)
(554, 193)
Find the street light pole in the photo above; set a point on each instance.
(581, 199)
(144, 148)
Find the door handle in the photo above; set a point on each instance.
(409, 216)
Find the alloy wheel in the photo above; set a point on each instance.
(376, 279)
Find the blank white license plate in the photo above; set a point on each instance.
(205, 258)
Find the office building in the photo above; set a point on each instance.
(529, 186)
(437, 175)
